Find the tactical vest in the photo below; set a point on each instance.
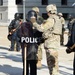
(57, 28)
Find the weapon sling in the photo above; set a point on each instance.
(72, 46)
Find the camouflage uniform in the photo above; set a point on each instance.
(51, 43)
(63, 23)
(39, 53)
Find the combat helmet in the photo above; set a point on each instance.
(52, 8)
(17, 16)
(36, 9)
(60, 14)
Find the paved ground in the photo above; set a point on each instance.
(11, 62)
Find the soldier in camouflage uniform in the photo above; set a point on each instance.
(39, 21)
(63, 23)
(52, 41)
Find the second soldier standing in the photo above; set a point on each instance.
(63, 23)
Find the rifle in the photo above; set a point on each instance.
(71, 49)
(9, 36)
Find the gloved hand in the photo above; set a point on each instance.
(68, 50)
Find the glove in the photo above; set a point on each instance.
(68, 50)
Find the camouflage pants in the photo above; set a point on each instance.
(39, 54)
(51, 46)
(52, 61)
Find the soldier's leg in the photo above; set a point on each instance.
(39, 54)
(12, 45)
(17, 46)
(52, 61)
(62, 37)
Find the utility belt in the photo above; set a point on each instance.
(56, 34)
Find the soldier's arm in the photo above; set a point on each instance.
(44, 26)
(37, 26)
(10, 27)
(48, 24)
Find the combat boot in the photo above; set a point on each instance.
(39, 65)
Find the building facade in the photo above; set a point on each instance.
(9, 7)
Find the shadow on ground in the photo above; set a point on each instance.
(62, 72)
(5, 48)
(66, 73)
(9, 70)
(12, 56)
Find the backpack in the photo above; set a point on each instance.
(57, 28)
